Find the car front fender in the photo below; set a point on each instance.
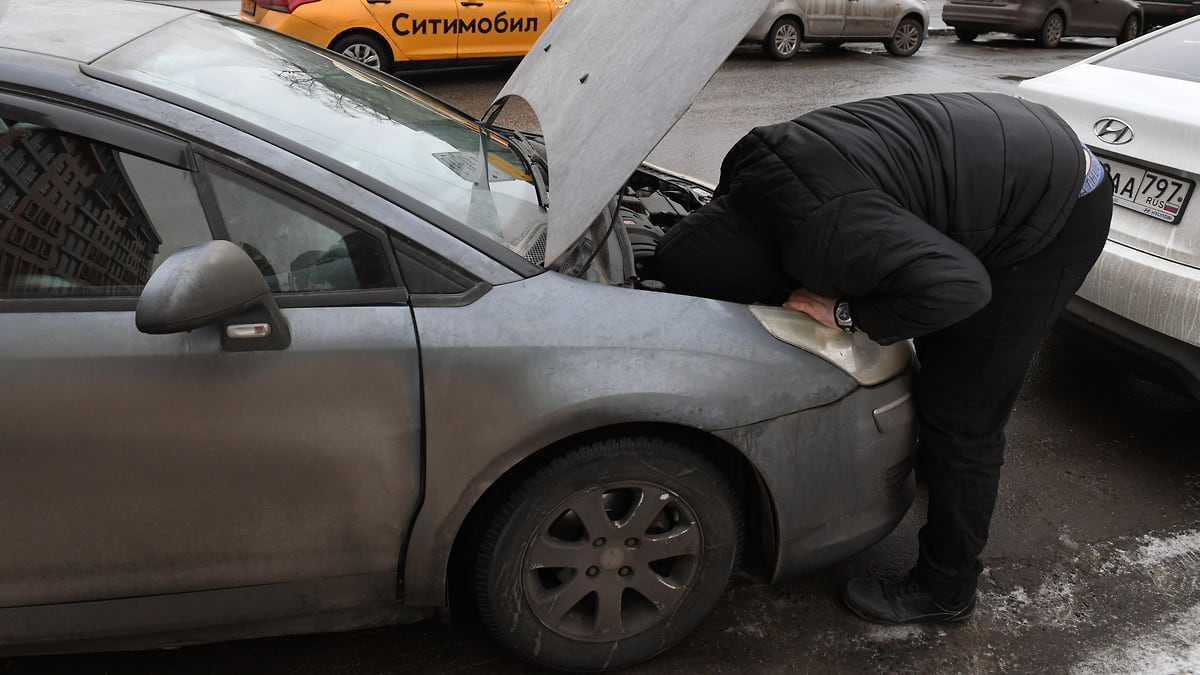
(538, 361)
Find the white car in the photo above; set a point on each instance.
(1138, 107)
(900, 24)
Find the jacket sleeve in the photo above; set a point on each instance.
(902, 276)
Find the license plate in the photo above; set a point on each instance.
(248, 7)
(1160, 194)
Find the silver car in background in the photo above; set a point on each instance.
(289, 346)
(1138, 107)
(900, 24)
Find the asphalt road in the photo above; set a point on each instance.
(1094, 560)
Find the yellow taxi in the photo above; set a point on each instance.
(381, 33)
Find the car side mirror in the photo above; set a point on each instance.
(209, 283)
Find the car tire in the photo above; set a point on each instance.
(906, 39)
(966, 35)
(366, 49)
(1053, 29)
(783, 40)
(1130, 29)
(608, 555)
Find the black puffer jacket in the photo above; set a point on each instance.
(899, 204)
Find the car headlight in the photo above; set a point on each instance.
(854, 353)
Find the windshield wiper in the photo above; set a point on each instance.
(521, 143)
(537, 166)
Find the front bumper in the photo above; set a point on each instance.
(839, 476)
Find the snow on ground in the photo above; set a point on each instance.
(1163, 567)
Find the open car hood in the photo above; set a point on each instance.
(607, 80)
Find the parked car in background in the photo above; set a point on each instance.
(900, 24)
(381, 34)
(289, 346)
(1167, 12)
(1138, 108)
(1046, 21)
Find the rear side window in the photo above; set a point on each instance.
(1171, 52)
(80, 218)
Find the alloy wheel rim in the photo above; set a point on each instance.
(787, 39)
(906, 37)
(363, 53)
(1054, 32)
(612, 562)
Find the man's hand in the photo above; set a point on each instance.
(818, 307)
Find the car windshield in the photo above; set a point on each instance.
(1170, 52)
(369, 122)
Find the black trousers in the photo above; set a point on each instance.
(970, 377)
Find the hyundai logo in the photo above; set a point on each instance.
(1113, 131)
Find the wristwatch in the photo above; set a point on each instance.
(842, 316)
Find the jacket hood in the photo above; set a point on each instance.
(607, 80)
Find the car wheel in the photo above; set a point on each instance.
(907, 38)
(1130, 29)
(783, 40)
(367, 49)
(1052, 31)
(966, 35)
(608, 555)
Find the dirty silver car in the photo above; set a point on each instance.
(900, 24)
(289, 346)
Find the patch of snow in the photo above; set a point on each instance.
(1173, 647)
(1156, 552)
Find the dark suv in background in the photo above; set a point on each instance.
(1165, 12)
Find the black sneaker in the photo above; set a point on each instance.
(903, 601)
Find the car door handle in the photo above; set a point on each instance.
(471, 4)
(379, 2)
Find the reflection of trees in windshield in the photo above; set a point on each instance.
(476, 156)
(338, 115)
(352, 94)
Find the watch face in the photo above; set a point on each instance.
(841, 312)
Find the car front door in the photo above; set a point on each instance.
(502, 27)
(824, 18)
(419, 29)
(870, 18)
(138, 465)
(1099, 17)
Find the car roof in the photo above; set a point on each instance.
(36, 26)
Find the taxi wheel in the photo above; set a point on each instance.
(1130, 29)
(1052, 31)
(783, 40)
(608, 555)
(367, 49)
(906, 40)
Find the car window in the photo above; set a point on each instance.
(297, 248)
(266, 83)
(82, 218)
(1171, 52)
